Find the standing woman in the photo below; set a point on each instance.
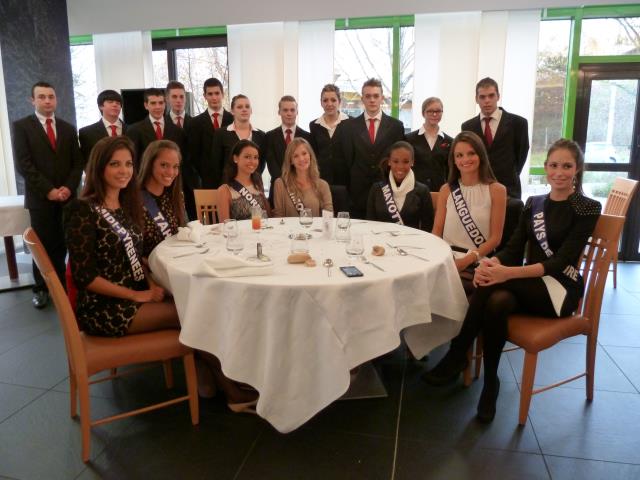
(104, 233)
(242, 187)
(400, 198)
(300, 185)
(225, 138)
(159, 180)
(471, 206)
(549, 284)
(432, 146)
(323, 137)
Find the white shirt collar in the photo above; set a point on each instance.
(153, 121)
(43, 119)
(284, 130)
(341, 116)
(421, 131)
(377, 116)
(232, 128)
(174, 116)
(107, 123)
(212, 111)
(497, 115)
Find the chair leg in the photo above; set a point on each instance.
(192, 387)
(528, 376)
(478, 356)
(591, 366)
(615, 268)
(168, 373)
(85, 418)
(466, 373)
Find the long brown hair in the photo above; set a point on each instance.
(146, 171)
(576, 152)
(485, 172)
(94, 187)
(290, 175)
(231, 167)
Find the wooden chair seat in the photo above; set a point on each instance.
(535, 334)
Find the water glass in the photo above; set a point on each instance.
(355, 245)
(230, 226)
(265, 220)
(306, 217)
(235, 243)
(299, 243)
(342, 223)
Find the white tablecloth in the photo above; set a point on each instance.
(14, 218)
(295, 335)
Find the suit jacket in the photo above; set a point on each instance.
(332, 164)
(431, 167)
(142, 133)
(509, 148)
(200, 139)
(223, 142)
(90, 135)
(275, 148)
(42, 167)
(363, 158)
(417, 210)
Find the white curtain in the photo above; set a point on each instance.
(7, 173)
(123, 60)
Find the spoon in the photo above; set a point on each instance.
(328, 263)
(404, 253)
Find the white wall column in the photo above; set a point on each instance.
(123, 60)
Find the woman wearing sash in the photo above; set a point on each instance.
(242, 187)
(550, 237)
(471, 206)
(400, 198)
(324, 131)
(159, 180)
(431, 146)
(103, 229)
(300, 185)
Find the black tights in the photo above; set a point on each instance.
(489, 309)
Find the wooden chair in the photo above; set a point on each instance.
(88, 355)
(206, 205)
(618, 202)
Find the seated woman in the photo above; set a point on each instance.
(548, 284)
(400, 198)
(103, 230)
(242, 187)
(300, 185)
(472, 196)
(159, 180)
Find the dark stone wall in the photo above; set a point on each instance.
(34, 41)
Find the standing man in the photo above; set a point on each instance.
(155, 126)
(279, 138)
(48, 157)
(176, 98)
(110, 125)
(505, 135)
(365, 142)
(203, 126)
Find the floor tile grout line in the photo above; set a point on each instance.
(591, 459)
(24, 406)
(28, 340)
(397, 434)
(246, 457)
(619, 368)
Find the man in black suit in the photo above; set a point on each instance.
(365, 141)
(47, 156)
(279, 138)
(110, 125)
(155, 126)
(176, 98)
(203, 126)
(505, 135)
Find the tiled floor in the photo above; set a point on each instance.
(418, 432)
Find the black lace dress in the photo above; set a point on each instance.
(96, 250)
(152, 234)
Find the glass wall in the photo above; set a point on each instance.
(85, 94)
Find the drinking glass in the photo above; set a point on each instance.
(256, 218)
(355, 245)
(265, 220)
(306, 218)
(235, 243)
(343, 222)
(299, 243)
(230, 226)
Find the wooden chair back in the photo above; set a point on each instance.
(206, 205)
(620, 196)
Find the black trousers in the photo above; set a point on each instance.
(489, 309)
(47, 223)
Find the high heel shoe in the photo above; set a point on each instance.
(487, 403)
(246, 407)
(447, 370)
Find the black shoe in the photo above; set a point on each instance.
(40, 299)
(447, 370)
(487, 403)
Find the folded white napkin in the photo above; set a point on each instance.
(225, 265)
(194, 231)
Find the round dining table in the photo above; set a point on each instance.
(295, 332)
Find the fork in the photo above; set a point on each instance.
(367, 262)
(197, 252)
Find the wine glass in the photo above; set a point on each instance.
(235, 243)
(306, 218)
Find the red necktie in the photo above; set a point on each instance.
(487, 131)
(114, 130)
(372, 130)
(216, 125)
(287, 138)
(179, 121)
(50, 133)
(158, 131)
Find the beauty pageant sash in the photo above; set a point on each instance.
(156, 215)
(464, 214)
(244, 193)
(390, 203)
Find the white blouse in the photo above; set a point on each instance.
(478, 199)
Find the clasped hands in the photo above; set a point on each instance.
(489, 272)
(61, 194)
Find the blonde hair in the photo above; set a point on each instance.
(289, 174)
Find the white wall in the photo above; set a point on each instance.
(123, 60)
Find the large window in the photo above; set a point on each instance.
(191, 60)
(83, 66)
(610, 36)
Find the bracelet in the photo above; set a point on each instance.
(476, 253)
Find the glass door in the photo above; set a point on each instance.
(607, 127)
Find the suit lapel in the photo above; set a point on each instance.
(42, 134)
(383, 128)
(503, 126)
